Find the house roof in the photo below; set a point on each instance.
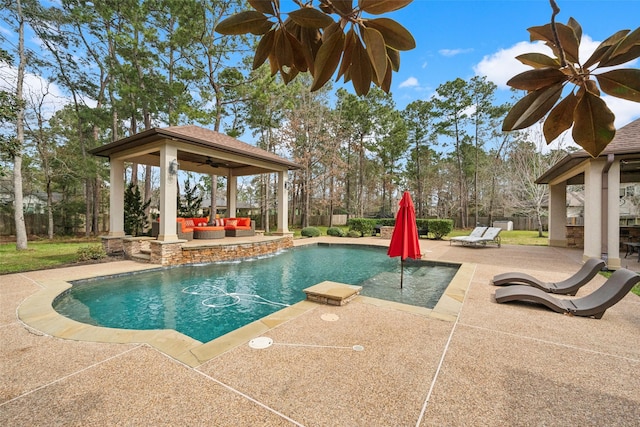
(199, 149)
(625, 144)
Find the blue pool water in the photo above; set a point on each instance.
(208, 301)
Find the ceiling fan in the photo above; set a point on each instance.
(213, 164)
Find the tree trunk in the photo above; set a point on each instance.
(21, 230)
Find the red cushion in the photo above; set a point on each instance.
(231, 222)
(244, 222)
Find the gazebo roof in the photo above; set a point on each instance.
(199, 150)
(625, 145)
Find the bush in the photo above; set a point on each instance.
(362, 225)
(354, 233)
(310, 232)
(335, 232)
(439, 227)
(87, 253)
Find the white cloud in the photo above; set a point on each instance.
(410, 82)
(453, 52)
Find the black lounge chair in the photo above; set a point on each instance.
(594, 304)
(568, 287)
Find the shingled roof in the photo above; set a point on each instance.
(626, 143)
(202, 141)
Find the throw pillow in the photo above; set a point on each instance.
(232, 222)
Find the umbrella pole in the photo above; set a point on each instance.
(401, 271)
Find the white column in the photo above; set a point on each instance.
(558, 214)
(168, 194)
(116, 198)
(613, 217)
(283, 203)
(232, 195)
(593, 209)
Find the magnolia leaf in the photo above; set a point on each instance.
(628, 43)
(327, 59)
(273, 63)
(394, 57)
(575, 26)
(537, 79)
(344, 6)
(282, 49)
(264, 6)
(629, 55)
(532, 108)
(377, 52)
(591, 86)
(311, 18)
(567, 37)
(386, 81)
(263, 28)
(538, 60)
(605, 48)
(378, 7)
(349, 43)
(330, 30)
(241, 23)
(299, 61)
(560, 118)
(360, 70)
(622, 83)
(264, 49)
(593, 125)
(310, 42)
(395, 35)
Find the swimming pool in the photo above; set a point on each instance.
(208, 301)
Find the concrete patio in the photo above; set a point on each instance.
(495, 364)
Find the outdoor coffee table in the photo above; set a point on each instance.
(208, 232)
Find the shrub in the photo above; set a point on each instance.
(310, 232)
(86, 253)
(439, 227)
(362, 225)
(354, 233)
(335, 231)
(386, 222)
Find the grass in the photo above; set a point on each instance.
(41, 254)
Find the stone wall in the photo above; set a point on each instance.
(112, 245)
(230, 252)
(173, 253)
(575, 237)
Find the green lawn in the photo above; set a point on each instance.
(41, 254)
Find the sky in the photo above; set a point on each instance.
(457, 38)
(465, 38)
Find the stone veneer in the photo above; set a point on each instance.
(173, 253)
(135, 245)
(113, 245)
(575, 236)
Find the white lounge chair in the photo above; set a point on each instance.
(491, 235)
(477, 232)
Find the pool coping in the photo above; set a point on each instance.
(37, 312)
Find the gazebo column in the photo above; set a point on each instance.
(168, 193)
(613, 217)
(232, 195)
(283, 203)
(593, 210)
(558, 214)
(116, 198)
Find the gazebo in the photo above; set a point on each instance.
(601, 177)
(190, 148)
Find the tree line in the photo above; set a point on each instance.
(132, 65)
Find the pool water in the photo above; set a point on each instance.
(208, 301)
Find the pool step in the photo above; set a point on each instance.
(143, 256)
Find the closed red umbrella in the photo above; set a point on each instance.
(404, 241)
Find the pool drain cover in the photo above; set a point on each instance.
(358, 348)
(260, 343)
(329, 317)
